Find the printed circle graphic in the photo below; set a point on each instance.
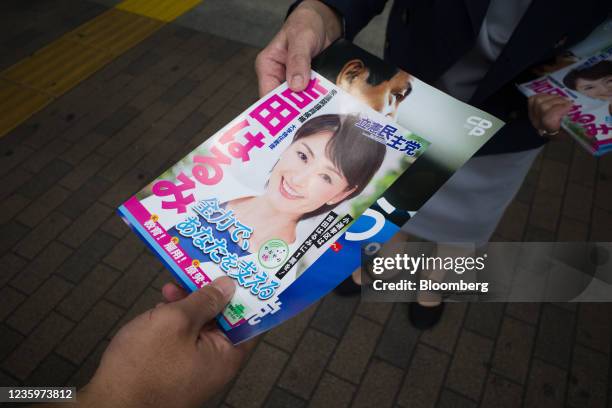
(273, 253)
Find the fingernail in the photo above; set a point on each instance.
(297, 81)
(225, 285)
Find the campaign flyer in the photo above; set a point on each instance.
(269, 195)
(583, 75)
(455, 129)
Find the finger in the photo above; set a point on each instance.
(270, 64)
(203, 305)
(173, 293)
(551, 121)
(300, 48)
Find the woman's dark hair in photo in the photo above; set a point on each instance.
(592, 73)
(356, 156)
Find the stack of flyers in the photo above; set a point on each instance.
(587, 82)
(284, 197)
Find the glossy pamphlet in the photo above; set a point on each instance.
(283, 198)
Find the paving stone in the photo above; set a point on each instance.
(572, 230)
(12, 206)
(119, 119)
(39, 304)
(377, 312)
(560, 151)
(13, 181)
(10, 265)
(87, 369)
(11, 156)
(147, 96)
(501, 393)
(332, 392)
(307, 363)
(258, 377)
(83, 171)
(181, 111)
(42, 207)
(40, 159)
(485, 318)
(588, 384)
(444, 335)
(537, 234)
(88, 292)
(578, 202)
(334, 313)
(11, 233)
(399, 338)
(513, 223)
(46, 178)
(42, 235)
(85, 197)
(554, 341)
(553, 176)
(88, 333)
(527, 312)
(546, 387)
(545, 211)
(10, 300)
(449, 399)
(148, 300)
(125, 291)
(127, 185)
(8, 381)
(355, 349)
(80, 150)
(287, 335)
(380, 385)
(583, 168)
(178, 91)
(600, 226)
(9, 340)
(593, 326)
(143, 63)
(468, 370)
(603, 192)
(513, 350)
(86, 257)
(282, 399)
(125, 252)
(53, 371)
(528, 188)
(23, 360)
(85, 225)
(115, 226)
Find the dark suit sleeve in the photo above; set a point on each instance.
(356, 13)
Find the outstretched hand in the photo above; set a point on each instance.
(170, 356)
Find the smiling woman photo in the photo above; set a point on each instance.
(594, 81)
(328, 162)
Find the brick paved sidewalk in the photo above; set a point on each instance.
(72, 273)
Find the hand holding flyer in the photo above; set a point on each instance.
(587, 83)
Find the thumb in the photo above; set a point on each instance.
(203, 305)
(299, 53)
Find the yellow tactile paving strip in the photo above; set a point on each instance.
(164, 10)
(34, 82)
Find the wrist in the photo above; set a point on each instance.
(96, 395)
